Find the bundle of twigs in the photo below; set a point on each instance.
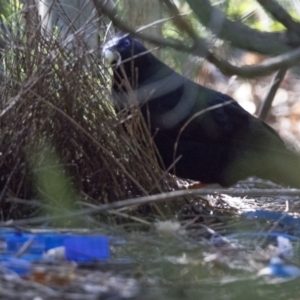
(58, 127)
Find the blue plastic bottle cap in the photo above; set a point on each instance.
(86, 248)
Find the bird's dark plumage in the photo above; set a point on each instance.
(218, 141)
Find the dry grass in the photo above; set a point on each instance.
(55, 99)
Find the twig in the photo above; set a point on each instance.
(272, 92)
(4, 188)
(120, 214)
(23, 249)
(157, 198)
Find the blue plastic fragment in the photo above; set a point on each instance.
(261, 234)
(42, 242)
(53, 240)
(16, 241)
(86, 248)
(281, 270)
(20, 266)
(79, 248)
(272, 216)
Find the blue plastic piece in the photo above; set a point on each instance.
(4, 257)
(284, 271)
(20, 266)
(54, 240)
(42, 242)
(16, 241)
(86, 248)
(272, 216)
(261, 234)
(79, 248)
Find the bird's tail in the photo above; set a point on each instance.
(282, 167)
(285, 169)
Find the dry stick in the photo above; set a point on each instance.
(120, 214)
(155, 198)
(72, 21)
(24, 248)
(39, 26)
(272, 92)
(8, 180)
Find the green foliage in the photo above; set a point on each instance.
(9, 7)
(53, 186)
(250, 13)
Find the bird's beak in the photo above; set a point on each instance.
(109, 55)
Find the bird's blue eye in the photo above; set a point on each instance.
(126, 43)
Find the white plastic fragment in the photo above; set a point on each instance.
(169, 227)
(57, 253)
(284, 248)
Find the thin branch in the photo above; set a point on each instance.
(179, 21)
(154, 199)
(286, 60)
(269, 99)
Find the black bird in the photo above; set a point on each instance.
(213, 137)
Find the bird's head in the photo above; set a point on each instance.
(123, 50)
